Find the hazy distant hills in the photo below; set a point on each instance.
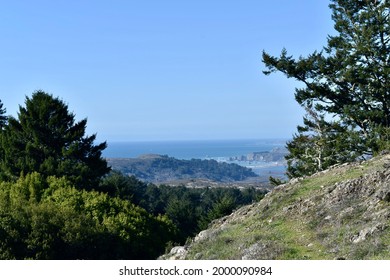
(161, 168)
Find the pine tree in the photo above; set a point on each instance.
(3, 117)
(320, 144)
(45, 138)
(349, 79)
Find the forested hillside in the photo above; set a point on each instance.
(161, 168)
(59, 199)
(49, 218)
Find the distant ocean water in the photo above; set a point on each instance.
(191, 149)
(220, 150)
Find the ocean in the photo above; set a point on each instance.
(220, 150)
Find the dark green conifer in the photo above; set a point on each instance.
(3, 117)
(349, 80)
(45, 138)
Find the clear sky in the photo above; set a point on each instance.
(161, 69)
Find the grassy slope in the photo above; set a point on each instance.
(333, 214)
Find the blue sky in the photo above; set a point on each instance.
(161, 70)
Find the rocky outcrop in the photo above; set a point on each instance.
(275, 155)
(340, 213)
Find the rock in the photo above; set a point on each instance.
(364, 233)
(254, 251)
(176, 253)
(203, 235)
(178, 250)
(198, 256)
(384, 193)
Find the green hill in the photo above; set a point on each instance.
(340, 213)
(163, 169)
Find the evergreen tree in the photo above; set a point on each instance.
(3, 123)
(3, 117)
(45, 138)
(349, 79)
(320, 144)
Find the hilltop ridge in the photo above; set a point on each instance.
(339, 213)
(164, 169)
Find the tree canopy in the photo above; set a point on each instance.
(63, 222)
(55, 202)
(3, 117)
(346, 84)
(45, 138)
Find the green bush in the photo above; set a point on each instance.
(51, 219)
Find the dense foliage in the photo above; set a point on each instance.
(57, 200)
(48, 218)
(161, 168)
(190, 209)
(45, 138)
(346, 89)
(3, 117)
